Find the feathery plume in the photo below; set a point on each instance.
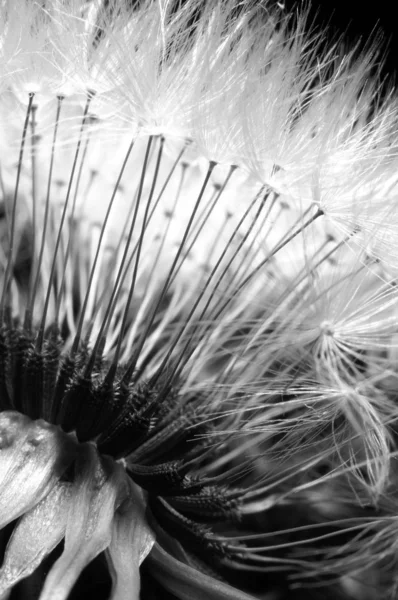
(198, 305)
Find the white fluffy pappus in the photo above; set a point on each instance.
(198, 310)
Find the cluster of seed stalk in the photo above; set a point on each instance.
(198, 302)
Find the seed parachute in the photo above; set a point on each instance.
(198, 305)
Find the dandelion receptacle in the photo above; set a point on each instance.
(198, 305)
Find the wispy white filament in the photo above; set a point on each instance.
(207, 195)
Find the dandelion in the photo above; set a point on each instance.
(198, 309)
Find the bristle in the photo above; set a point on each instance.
(198, 321)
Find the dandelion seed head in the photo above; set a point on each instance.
(198, 306)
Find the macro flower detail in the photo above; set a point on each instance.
(198, 305)
(54, 509)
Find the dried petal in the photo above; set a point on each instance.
(36, 535)
(13, 430)
(98, 489)
(132, 540)
(33, 457)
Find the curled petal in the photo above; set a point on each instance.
(33, 456)
(14, 428)
(98, 489)
(132, 540)
(186, 583)
(38, 532)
